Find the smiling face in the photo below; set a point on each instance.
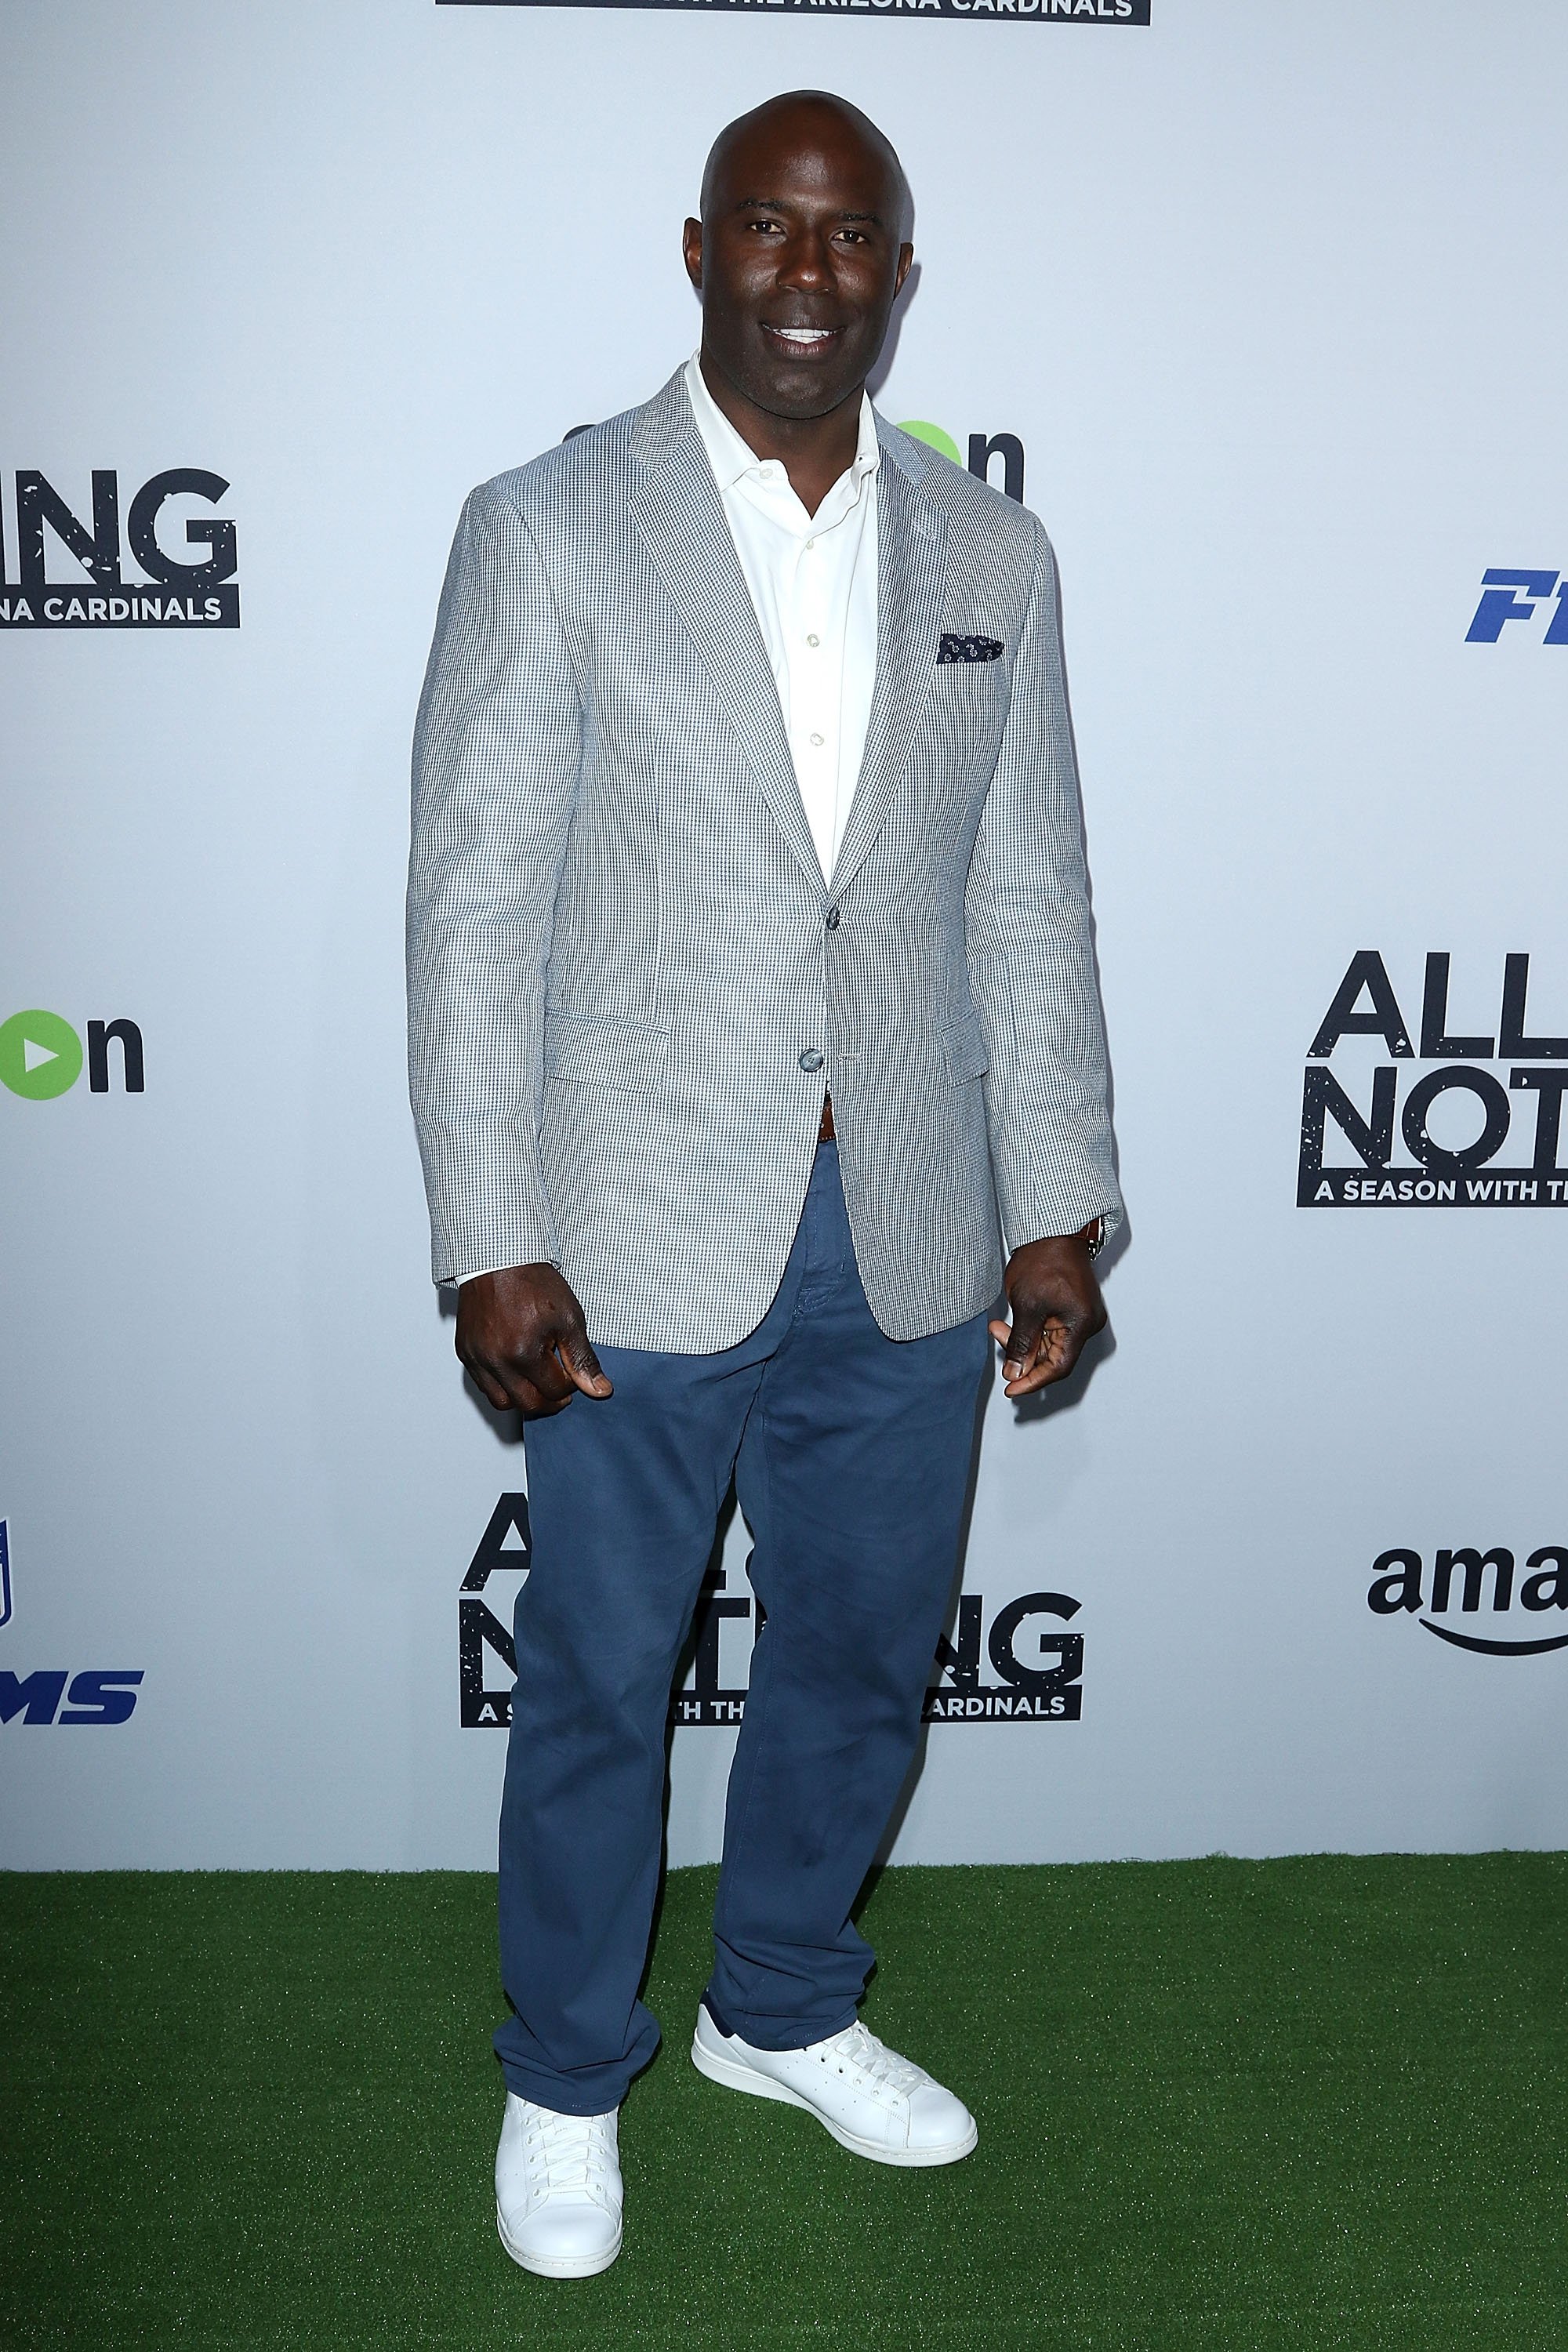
(802, 247)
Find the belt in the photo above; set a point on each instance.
(825, 1132)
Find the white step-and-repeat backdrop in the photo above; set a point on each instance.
(1260, 309)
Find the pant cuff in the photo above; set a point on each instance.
(776, 2034)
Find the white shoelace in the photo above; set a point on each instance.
(855, 2048)
(568, 2153)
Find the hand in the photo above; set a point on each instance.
(522, 1336)
(1054, 1294)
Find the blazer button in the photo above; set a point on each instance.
(832, 919)
(811, 1059)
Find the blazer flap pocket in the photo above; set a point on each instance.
(600, 1051)
(964, 1046)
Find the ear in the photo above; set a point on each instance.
(691, 251)
(906, 254)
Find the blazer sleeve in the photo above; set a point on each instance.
(1030, 946)
(497, 750)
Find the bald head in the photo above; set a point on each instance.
(799, 255)
(802, 117)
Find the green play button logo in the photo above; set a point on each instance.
(40, 1055)
(984, 448)
(933, 436)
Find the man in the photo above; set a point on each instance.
(750, 977)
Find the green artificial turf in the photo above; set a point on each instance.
(1221, 2104)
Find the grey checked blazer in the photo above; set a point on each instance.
(626, 979)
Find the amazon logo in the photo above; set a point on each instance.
(1461, 1579)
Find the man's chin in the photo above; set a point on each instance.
(798, 395)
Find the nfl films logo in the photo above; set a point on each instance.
(47, 1695)
(1014, 1664)
(1473, 1121)
(70, 572)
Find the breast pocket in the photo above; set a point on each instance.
(972, 695)
(959, 738)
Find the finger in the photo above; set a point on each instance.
(485, 1376)
(582, 1366)
(1021, 1345)
(548, 1377)
(533, 1387)
(546, 1408)
(489, 1387)
(1060, 1345)
(531, 1383)
(536, 1403)
(502, 1386)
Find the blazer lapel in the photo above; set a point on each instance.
(912, 562)
(677, 511)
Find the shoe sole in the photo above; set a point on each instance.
(557, 2265)
(737, 2076)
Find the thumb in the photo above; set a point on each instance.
(1021, 1344)
(582, 1365)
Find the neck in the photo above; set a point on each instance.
(813, 450)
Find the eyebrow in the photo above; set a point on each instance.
(777, 204)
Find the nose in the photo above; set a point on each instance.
(806, 262)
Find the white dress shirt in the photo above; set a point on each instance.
(813, 583)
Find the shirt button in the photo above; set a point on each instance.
(811, 1059)
(809, 545)
(814, 641)
(817, 741)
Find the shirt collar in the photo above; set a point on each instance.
(732, 459)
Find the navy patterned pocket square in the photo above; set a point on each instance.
(967, 649)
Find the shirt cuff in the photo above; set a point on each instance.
(473, 1275)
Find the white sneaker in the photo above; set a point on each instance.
(558, 2190)
(871, 2100)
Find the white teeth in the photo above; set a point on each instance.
(803, 335)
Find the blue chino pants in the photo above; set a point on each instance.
(851, 1456)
